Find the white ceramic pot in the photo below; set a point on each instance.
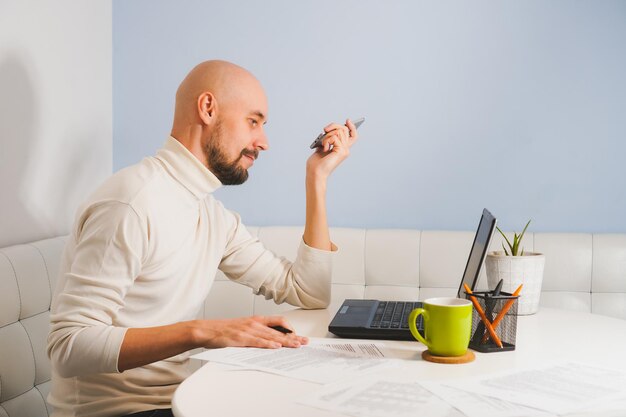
(516, 270)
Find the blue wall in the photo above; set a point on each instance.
(515, 106)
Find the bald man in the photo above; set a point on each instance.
(146, 246)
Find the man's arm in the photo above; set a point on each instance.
(83, 339)
(334, 150)
(142, 346)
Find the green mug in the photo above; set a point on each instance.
(447, 325)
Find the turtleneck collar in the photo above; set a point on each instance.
(187, 169)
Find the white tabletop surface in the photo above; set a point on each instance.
(550, 335)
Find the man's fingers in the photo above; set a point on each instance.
(353, 135)
(337, 127)
(339, 134)
(277, 321)
(289, 339)
(332, 126)
(259, 335)
(263, 343)
(334, 138)
(283, 339)
(329, 140)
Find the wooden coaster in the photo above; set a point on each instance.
(468, 357)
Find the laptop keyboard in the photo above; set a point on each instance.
(395, 315)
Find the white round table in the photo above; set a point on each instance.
(550, 335)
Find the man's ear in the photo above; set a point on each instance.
(207, 107)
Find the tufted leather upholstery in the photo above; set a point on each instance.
(583, 272)
(27, 275)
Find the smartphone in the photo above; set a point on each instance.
(318, 140)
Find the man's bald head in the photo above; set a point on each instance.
(220, 112)
(226, 81)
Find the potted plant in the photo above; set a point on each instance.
(515, 266)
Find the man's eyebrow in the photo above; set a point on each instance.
(259, 114)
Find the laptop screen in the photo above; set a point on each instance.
(479, 251)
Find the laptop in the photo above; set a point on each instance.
(376, 319)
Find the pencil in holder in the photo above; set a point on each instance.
(501, 314)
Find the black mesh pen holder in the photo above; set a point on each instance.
(501, 312)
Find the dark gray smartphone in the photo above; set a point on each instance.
(318, 140)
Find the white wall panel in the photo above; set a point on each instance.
(55, 112)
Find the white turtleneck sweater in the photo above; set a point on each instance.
(143, 252)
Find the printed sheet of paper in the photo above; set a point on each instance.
(365, 349)
(559, 389)
(611, 409)
(309, 363)
(379, 398)
(476, 405)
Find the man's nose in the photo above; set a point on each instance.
(261, 142)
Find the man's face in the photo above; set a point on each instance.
(229, 171)
(237, 138)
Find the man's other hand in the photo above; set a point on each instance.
(334, 150)
(252, 331)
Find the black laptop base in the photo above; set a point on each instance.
(368, 333)
(373, 319)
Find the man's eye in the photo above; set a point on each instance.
(253, 122)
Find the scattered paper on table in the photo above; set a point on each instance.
(476, 405)
(379, 398)
(610, 409)
(559, 389)
(309, 363)
(371, 350)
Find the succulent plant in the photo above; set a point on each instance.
(515, 246)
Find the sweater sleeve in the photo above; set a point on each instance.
(109, 244)
(302, 283)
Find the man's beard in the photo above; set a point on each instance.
(229, 173)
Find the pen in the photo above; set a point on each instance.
(498, 288)
(504, 310)
(281, 329)
(490, 302)
(481, 313)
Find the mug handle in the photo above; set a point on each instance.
(413, 319)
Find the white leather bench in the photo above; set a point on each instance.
(583, 272)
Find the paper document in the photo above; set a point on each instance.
(559, 389)
(476, 405)
(310, 363)
(379, 398)
(371, 350)
(611, 409)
